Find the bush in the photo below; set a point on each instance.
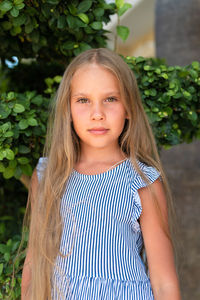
(9, 285)
(52, 30)
(23, 120)
(170, 97)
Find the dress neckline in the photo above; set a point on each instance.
(110, 170)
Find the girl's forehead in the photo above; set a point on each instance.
(94, 74)
(93, 67)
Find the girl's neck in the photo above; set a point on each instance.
(101, 156)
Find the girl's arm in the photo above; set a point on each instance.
(158, 248)
(26, 274)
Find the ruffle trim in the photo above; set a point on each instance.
(138, 183)
(41, 165)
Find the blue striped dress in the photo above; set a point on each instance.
(101, 238)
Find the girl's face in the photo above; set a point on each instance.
(97, 109)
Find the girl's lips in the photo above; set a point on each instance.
(98, 131)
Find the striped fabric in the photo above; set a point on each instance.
(101, 238)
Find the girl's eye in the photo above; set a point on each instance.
(82, 100)
(111, 99)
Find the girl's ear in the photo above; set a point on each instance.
(127, 117)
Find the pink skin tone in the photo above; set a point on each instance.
(98, 113)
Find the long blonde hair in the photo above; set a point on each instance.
(63, 150)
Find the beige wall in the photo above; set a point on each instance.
(140, 20)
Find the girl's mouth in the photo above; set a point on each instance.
(98, 131)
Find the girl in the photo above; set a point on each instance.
(98, 193)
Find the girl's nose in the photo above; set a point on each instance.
(97, 113)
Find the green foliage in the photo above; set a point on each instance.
(23, 120)
(32, 76)
(122, 31)
(10, 287)
(171, 99)
(52, 30)
(13, 197)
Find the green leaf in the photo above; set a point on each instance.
(7, 256)
(10, 96)
(187, 95)
(26, 169)
(61, 23)
(123, 9)
(57, 78)
(29, 27)
(35, 36)
(3, 248)
(23, 149)
(32, 122)
(8, 173)
(84, 6)
(123, 32)
(164, 75)
(72, 10)
(9, 154)
(23, 160)
(14, 12)
(82, 47)
(20, 20)
(17, 2)
(96, 25)
(23, 124)
(79, 23)
(71, 21)
(18, 108)
(20, 6)
(53, 2)
(37, 100)
(98, 12)
(2, 168)
(1, 269)
(18, 172)
(4, 111)
(15, 30)
(192, 115)
(84, 18)
(5, 127)
(5, 5)
(7, 25)
(2, 154)
(119, 3)
(194, 73)
(68, 45)
(12, 164)
(196, 65)
(8, 134)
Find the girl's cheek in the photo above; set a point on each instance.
(79, 110)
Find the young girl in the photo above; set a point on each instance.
(98, 193)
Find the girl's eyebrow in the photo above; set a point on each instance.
(105, 94)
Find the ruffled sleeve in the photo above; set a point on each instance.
(138, 183)
(41, 165)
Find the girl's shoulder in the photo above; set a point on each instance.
(150, 174)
